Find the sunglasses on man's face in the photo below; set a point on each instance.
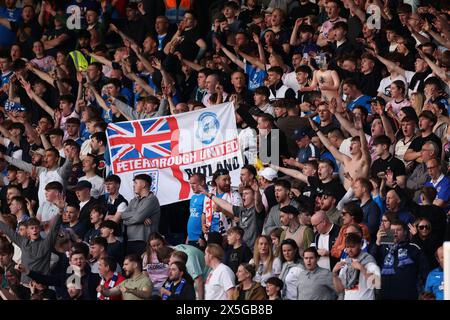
(423, 227)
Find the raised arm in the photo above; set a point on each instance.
(345, 123)
(436, 69)
(388, 63)
(230, 55)
(6, 229)
(388, 130)
(262, 55)
(45, 143)
(146, 63)
(41, 74)
(142, 83)
(294, 41)
(259, 206)
(28, 167)
(33, 96)
(254, 61)
(291, 172)
(335, 152)
(101, 59)
(364, 144)
(354, 9)
(79, 92)
(125, 109)
(225, 205)
(124, 37)
(440, 39)
(29, 129)
(168, 80)
(99, 98)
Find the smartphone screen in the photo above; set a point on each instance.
(388, 238)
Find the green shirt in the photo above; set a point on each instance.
(140, 282)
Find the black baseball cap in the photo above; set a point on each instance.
(300, 133)
(83, 184)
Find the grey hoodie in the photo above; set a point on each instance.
(35, 254)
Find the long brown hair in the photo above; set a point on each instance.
(148, 250)
(257, 258)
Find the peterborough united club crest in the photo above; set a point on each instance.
(208, 127)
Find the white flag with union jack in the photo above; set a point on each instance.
(170, 149)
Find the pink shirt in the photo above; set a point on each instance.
(397, 106)
(327, 25)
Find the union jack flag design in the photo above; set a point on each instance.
(150, 138)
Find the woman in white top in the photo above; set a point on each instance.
(157, 271)
(266, 264)
(398, 95)
(290, 269)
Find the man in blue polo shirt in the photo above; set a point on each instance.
(194, 225)
(440, 182)
(435, 279)
(306, 149)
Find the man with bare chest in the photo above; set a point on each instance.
(358, 164)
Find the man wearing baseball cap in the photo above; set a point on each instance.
(142, 215)
(307, 149)
(267, 177)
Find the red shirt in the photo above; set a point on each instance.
(120, 279)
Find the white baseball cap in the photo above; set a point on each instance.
(268, 173)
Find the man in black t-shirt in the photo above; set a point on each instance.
(427, 120)
(29, 189)
(192, 47)
(238, 252)
(387, 163)
(325, 180)
(326, 119)
(319, 183)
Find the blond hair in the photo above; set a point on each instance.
(216, 251)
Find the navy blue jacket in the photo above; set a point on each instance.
(408, 280)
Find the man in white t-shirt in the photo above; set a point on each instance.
(220, 283)
(89, 168)
(290, 79)
(358, 275)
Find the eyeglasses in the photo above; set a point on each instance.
(423, 227)
(315, 225)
